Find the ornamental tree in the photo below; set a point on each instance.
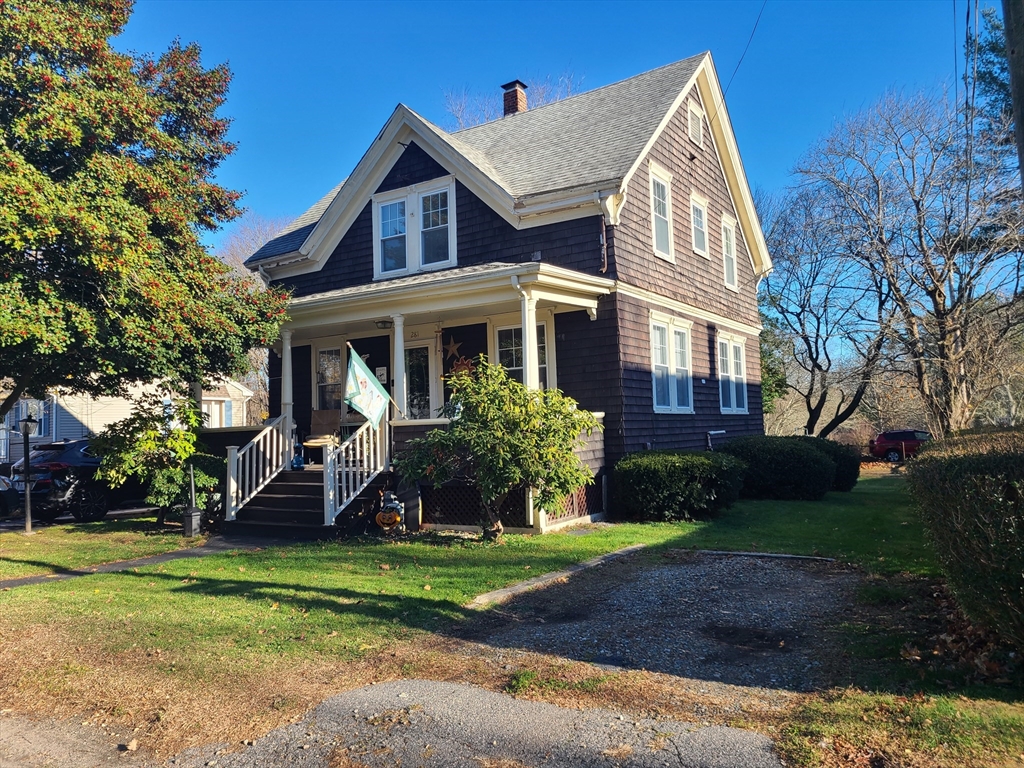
(107, 165)
(503, 437)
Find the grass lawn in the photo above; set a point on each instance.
(62, 548)
(206, 648)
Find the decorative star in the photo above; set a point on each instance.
(452, 348)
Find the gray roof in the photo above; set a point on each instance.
(423, 278)
(585, 140)
(294, 235)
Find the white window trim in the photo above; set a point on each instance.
(662, 175)
(693, 107)
(733, 341)
(412, 196)
(702, 203)
(432, 371)
(549, 343)
(671, 324)
(728, 222)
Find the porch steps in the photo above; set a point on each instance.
(292, 506)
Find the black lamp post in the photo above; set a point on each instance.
(28, 427)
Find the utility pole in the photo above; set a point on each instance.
(1013, 25)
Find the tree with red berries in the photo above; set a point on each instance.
(107, 165)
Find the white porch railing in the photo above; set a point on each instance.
(257, 463)
(353, 465)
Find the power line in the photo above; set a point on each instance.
(748, 46)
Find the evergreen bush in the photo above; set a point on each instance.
(675, 485)
(970, 493)
(845, 457)
(782, 468)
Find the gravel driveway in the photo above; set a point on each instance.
(740, 620)
(731, 629)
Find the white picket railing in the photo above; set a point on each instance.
(353, 465)
(257, 463)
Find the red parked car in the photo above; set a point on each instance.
(899, 444)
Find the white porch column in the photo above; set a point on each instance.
(531, 370)
(399, 364)
(287, 400)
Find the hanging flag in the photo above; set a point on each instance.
(362, 390)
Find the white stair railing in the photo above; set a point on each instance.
(257, 463)
(353, 465)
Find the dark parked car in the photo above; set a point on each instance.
(10, 499)
(64, 480)
(899, 444)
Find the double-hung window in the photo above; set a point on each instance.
(732, 379)
(414, 228)
(510, 353)
(699, 223)
(729, 252)
(671, 372)
(36, 409)
(661, 211)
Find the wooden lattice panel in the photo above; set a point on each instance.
(588, 500)
(460, 505)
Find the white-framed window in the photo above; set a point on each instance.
(699, 224)
(695, 123)
(414, 228)
(732, 374)
(661, 212)
(420, 373)
(330, 379)
(729, 252)
(671, 371)
(510, 353)
(37, 409)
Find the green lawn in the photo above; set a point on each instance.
(190, 621)
(874, 526)
(62, 548)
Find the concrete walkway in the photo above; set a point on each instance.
(450, 725)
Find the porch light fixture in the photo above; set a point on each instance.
(28, 427)
(384, 325)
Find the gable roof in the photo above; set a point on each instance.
(583, 140)
(569, 158)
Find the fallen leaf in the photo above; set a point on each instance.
(426, 587)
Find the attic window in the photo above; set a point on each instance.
(661, 211)
(695, 124)
(414, 228)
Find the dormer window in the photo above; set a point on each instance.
(414, 228)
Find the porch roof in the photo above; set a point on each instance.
(493, 287)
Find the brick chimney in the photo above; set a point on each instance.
(515, 97)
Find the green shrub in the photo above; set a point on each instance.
(170, 487)
(970, 493)
(676, 485)
(782, 468)
(845, 457)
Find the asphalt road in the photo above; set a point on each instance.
(448, 725)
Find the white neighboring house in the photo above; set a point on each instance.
(72, 417)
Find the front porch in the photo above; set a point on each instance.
(411, 333)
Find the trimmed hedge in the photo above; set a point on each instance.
(782, 468)
(970, 494)
(845, 457)
(676, 485)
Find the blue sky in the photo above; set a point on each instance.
(315, 81)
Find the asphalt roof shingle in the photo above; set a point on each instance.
(587, 139)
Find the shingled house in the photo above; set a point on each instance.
(606, 245)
